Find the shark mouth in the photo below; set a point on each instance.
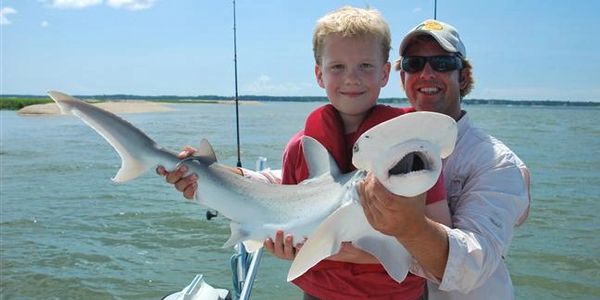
(409, 168)
(411, 162)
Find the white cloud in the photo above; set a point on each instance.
(4, 12)
(131, 4)
(417, 10)
(81, 4)
(73, 4)
(44, 24)
(264, 86)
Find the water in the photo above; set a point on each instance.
(68, 232)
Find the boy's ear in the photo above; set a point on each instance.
(319, 75)
(386, 74)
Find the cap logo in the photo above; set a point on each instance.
(431, 26)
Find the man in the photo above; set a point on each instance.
(487, 184)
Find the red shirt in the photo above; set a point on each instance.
(343, 280)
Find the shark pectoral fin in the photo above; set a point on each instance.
(238, 235)
(325, 241)
(348, 223)
(390, 253)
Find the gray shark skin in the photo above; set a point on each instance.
(325, 208)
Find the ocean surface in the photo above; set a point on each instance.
(68, 232)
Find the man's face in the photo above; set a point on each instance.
(352, 72)
(429, 90)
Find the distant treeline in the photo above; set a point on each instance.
(530, 102)
(19, 101)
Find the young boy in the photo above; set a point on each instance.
(351, 48)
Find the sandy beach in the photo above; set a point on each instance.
(116, 107)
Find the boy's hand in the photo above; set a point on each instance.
(283, 246)
(188, 184)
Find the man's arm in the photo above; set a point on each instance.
(405, 219)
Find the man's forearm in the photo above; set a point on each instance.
(429, 246)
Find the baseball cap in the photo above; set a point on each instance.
(445, 34)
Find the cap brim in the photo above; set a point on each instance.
(443, 42)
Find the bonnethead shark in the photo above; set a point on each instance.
(403, 153)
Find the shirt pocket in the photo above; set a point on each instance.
(454, 191)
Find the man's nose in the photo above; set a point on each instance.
(427, 72)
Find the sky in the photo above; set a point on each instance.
(520, 49)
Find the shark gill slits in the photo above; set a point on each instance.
(411, 162)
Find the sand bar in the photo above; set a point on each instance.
(116, 107)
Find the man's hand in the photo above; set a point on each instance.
(390, 214)
(404, 218)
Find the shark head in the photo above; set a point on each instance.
(405, 153)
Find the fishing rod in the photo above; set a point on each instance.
(237, 118)
(209, 213)
(435, 9)
(246, 265)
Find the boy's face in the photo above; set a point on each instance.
(352, 72)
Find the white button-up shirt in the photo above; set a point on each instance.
(488, 193)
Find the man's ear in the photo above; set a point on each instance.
(402, 76)
(463, 78)
(319, 75)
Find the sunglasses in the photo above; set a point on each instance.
(439, 63)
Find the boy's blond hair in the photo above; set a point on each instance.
(352, 22)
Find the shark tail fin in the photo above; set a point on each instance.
(126, 139)
(131, 168)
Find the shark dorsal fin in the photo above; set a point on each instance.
(206, 153)
(318, 160)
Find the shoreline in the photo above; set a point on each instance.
(115, 107)
(123, 106)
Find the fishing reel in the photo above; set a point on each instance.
(211, 214)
